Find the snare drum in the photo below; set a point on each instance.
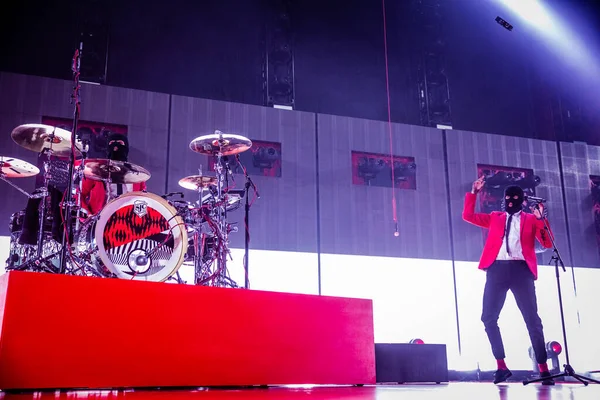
(136, 236)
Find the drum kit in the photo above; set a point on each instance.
(136, 235)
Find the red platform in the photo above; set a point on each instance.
(60, 331)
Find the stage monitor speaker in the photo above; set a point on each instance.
(401, 362)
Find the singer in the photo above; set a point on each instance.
(510, 263)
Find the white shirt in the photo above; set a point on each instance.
(125, 188)
(514, 240)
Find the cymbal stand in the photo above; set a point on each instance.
(220, 276)
(79, 178)
(44, 196)
(221, 210)
(76, 101)
(3, 178)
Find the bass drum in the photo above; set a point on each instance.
(137, 236)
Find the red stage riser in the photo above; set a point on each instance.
(74, 332)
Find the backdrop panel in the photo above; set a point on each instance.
(284, 218)
(467, 149)
(26, 99)
(412, 298)
(579, 162)
(584, 345)
(357, 219)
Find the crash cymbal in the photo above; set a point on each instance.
(38, 137)
(15, 168)
(196, 182)
(225, 143)
(101, 169)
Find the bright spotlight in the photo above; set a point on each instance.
(556, 32)
(417, 341)
(531, 11)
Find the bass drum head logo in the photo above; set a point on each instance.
(140, 208)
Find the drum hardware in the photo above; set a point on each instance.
(40, 263)
(74, 137)
(44, 205)
(213, 248)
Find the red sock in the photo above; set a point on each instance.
(501, 364)
(543, 367)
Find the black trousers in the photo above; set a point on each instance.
(515, 276)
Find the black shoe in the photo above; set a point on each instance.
(501, 375)
(549, 381)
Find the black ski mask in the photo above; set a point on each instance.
(117, 147)
(513, 199)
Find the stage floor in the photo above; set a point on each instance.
(479, 391)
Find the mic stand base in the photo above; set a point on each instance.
(569, 371)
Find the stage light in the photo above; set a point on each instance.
(416, 341)
(553, 348)
(504, 23)
(265, 157)
(403, 171)
(500, 179)
(369, 168)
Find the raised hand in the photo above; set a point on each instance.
(478, 185)
(538, 211)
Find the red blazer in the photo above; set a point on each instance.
(531, 229)
(93, 194)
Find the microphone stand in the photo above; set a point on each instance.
(568, 369)
(247, 219)
(76, 100)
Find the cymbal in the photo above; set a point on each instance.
(225, 143)
(38, 137)
(15, 168)
(196, 182)
(101, 169)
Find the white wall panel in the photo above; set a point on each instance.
(412, 298)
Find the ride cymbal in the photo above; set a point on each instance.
(39, 137)
(225, 143)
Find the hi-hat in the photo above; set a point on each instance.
(197, 182)
(225, 143)
(15, 168)
(101, 169)
(38, 137)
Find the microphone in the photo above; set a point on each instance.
(254, 187)
(225, 161)
(535, 199)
